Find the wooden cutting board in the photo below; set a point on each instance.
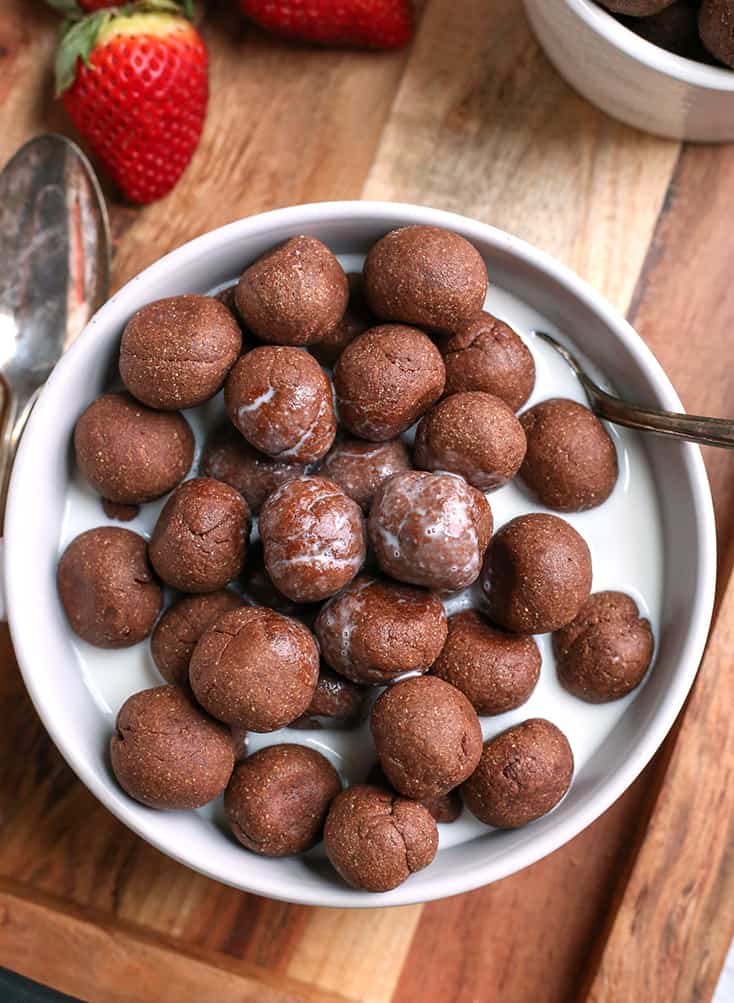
(471, 118)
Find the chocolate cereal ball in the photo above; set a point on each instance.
(571, 462)
(427, 276)
(375, 630)
(716, 25)
(496, 671)
(355, 321)
(200, 540)
(359, 468)
(294, 294)
(313, 539)
(336, 703)
(230, 458)
(427, 736)
(376, 840)
(130, 453)
(523, 773)
(674, 28)
(277, 799)
(227, 298)
(258, 589)
(255, 668)
(486, 354)
(386, 379)
(430, 529)
(280, 399)
(181, 626)
(636, 8)
(474, 435)
(167, 753)
(604, 653)
(176, 352)
(537, 574)
(107, 589)
(445, 808)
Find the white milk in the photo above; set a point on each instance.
(624, 535)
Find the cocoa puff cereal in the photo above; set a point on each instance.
(228, 457)
(375, 630)
(313, 539)
(227, 298)
(277, 799)
(130, 453)
(336, 703)
(474, 435)
(604, 653)
(486, 354)
(258, 589)
(181, 626)
(176, 352)
(495, 670)
(445, 808)
(280, 400)
(107, 589)
(355, 321)
(674, 28)
(376, 840)
(359, 468)
(716, 25)
(255, 668)
(427, 736)
(200, 540)
(523, 773)
(537, 574)
(386, 379)
(427, 276)
(167, 753)
(636, 8)
(294, 294)
(430, 529)
(571, 462)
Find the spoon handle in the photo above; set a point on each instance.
(693, 428)
(16, 412)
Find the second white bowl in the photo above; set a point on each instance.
(630, 78)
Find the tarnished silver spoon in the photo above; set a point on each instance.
(693, 428)
(55, 255)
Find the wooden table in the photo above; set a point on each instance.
(472, 118)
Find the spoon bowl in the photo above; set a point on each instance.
(54, 236)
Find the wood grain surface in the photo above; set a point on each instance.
(470, 118)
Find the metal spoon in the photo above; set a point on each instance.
(693, 428)
(54, 274)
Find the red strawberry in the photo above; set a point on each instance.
(371, 24)
(134, 82)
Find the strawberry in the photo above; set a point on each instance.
(370, 24)
(134, 82)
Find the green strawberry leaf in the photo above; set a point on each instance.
(77, 42)
(69, 8)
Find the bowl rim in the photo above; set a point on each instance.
(689, 71)
(24, 625)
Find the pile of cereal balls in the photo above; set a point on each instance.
(702, 30)
(335, 611)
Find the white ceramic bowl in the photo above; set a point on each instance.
(80, 722)
(629, 77)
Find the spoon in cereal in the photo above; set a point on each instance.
(692, 428)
